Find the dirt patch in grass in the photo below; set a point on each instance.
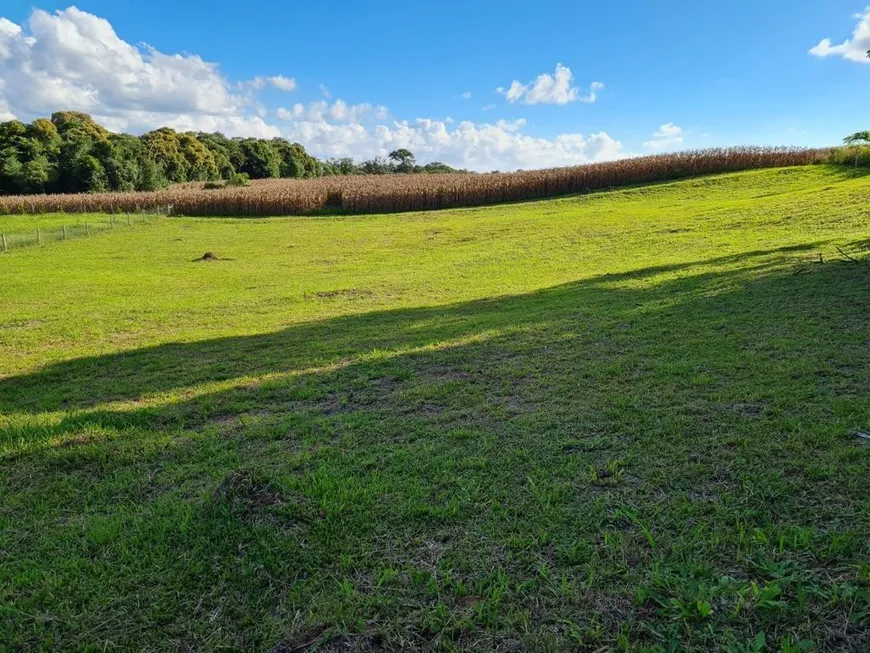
(257, 501)
(346, 293)
(312, 640)
(209, 257)
(379, 394)
(307, 640)
(78, 440)
(247, 492)
(749, 410)
(231, 421)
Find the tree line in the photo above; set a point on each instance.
(71, 153)
(399, 161)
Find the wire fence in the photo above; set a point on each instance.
(44, 235)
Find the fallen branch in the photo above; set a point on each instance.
(799, 270)
(851, 258)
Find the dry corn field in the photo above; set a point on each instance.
(383, 194)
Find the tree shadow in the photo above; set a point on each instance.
(440, 438)
(86, 383)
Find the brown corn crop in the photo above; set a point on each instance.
(414, 192)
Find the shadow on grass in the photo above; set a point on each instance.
(88, 382)
(483, 470)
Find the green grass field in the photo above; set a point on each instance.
(622, 421)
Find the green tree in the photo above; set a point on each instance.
(37, 175)
(436, 167)
(44, 132)
(295, 161)
(81, 123)
(222, 149)
(78, 171)
(404, 159)
(857, 138)
(200, 161)
(376, 166)
(344, 166)
(127, 164)
(164, 148)
(262, 160)
(10, 172)
(72, 153)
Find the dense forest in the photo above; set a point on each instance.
(71, 153)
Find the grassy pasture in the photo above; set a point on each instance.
(621, 421)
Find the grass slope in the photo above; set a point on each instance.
(619, 421)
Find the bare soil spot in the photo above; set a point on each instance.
(247, 492)
(749, 410)
(207, 257)
(77, 440)
(304, 641)
(230, 421)
(346, 293)
(314, 640)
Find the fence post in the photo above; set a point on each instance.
(38, 237)
(87, 229)
(129, 221)
(5, 247)
(63, 227)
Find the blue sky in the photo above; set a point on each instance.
(696, 74)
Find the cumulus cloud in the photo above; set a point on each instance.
(550, 89)
(74, 60)
(138, 122)
(853, 49)
(668, 135)
(338, 111)
(502, 145)
(71, 59)
(276, 81)
(283, 83)
(5, 114)
(466, 95)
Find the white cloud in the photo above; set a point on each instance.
(5, 114)
(488, 107)
(277, 81)
(248, 126)
(283, 83)
(853, 49)
(138, 122)
(511, 126)
(325, 91)
(290, 114)
(338, 111)
(71, 59)
(477, 146)
(592, 96)
(74, 60)
(668, 135)
(466, 95)
(550, 89)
